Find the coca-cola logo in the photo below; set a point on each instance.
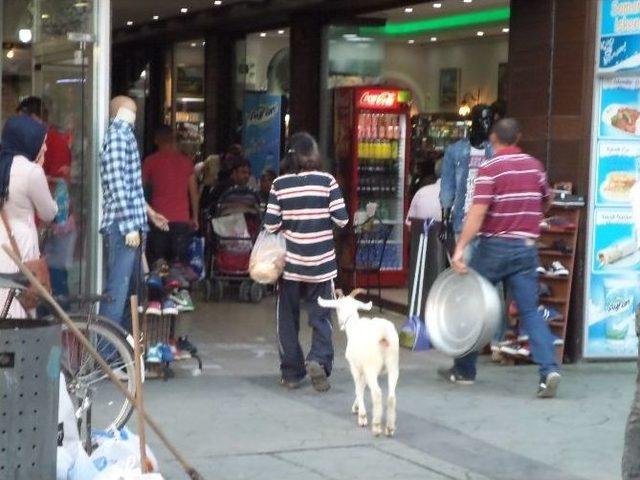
(384, 99)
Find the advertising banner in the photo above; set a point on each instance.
(261, 131)
(619, 41)
(613, 275)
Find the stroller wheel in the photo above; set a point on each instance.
(244, 292)
(217, 290)
(256, 291)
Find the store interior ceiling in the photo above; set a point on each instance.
(127, 13)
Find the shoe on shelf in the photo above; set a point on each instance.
(185, 345)
(562, 247)
(558, 270)
(544, 290)
(451, 376)
(548, 386)
(169, 307)
(178, 354)
(542, 245)
(154, 282)
(559, 222)
(165, 353)
(549, 313)
(541, 270)
(154, 308)
(160, 267)
(183, 300)
(318, 376)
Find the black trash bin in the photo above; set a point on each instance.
(29, 391)
(436, 261)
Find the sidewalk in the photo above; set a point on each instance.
(235, 422)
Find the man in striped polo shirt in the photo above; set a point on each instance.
(305, 204)
(511, 194)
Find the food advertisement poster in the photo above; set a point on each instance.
(261, 132)
(613, 278)
(619, 41)
(620, 108)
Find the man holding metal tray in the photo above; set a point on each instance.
(511, 190)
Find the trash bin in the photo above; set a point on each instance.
(29, 390)
(436, 259)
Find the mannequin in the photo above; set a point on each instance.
(124, 213)
(459, 170)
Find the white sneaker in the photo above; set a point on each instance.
(558, 270)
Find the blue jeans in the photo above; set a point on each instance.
(123, 272)
(514, 262)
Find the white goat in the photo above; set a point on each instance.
(372, 345)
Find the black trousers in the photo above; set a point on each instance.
(292, 362)
(172, 245)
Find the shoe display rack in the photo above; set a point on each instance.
(556, 248)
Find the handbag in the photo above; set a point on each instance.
(28, 298)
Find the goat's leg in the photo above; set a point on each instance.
(376, 400)
(392, 378)
(359, 407)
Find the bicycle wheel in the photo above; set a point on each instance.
(88, 385)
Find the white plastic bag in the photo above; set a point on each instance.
(67, 415)
(83, 468)
(120, 448)
(267, 257)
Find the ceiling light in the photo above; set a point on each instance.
(505, 30)
(448, 22)
(194, 44)
(11, 53)
(480, 33)
(204, 43)
(467, 1)
(280, 32)
(411, 42)
(129, 23)
(434, 39)
(24, 34)
(44, 16)
(156, 17)
(263, 34)
(408, 10)
(184, 10)
(217, 2)
(437, 5)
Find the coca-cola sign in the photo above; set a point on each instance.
(378, 99)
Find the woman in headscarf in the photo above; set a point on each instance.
(23, 192)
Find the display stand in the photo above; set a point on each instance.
(557, 301)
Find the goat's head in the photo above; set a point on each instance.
(346, 306)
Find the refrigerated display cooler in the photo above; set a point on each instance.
(371, 126)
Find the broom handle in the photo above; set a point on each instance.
(43, 293)
(135, 330)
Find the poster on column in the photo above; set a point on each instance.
(261, 132)
(614, 285)
(619, 40)
(620, 108)
(617, 169)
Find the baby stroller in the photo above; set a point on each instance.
(231, 230)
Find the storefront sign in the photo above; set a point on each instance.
(382, 99)
(261, 132)
(619, 39)
(613, 278)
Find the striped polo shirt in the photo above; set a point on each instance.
(514, 186)
(304, 207)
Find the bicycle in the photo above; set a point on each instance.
(87, 384)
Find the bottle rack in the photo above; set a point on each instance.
(559, 286)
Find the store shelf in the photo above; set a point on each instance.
(554, 253)
(566, 231)
(554, 277)
(554, 300)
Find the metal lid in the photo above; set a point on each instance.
(462, 312)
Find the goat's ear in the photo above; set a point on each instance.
(326, 303)
(365, 306)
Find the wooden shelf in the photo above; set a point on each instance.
(554, 300)
(558, 230)
(554, 277)
(554, 253)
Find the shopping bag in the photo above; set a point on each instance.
(195, 256)
(267, 257)
(120, 448)
(83, 468)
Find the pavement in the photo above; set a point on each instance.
(234, 421)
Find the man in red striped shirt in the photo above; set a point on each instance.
(511, 193)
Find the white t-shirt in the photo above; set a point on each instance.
(476, 158)
(426, 204)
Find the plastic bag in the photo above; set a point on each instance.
(83, 468)
(195, 255)
(120, 448)
(267, 257)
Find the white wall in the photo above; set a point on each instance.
(419, 66)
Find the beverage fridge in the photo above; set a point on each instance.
(370, 138)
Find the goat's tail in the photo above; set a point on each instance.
(391, 353)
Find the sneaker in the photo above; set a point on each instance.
(451, 376)
(185, 345)
(154, 308)
(291, 384)
(154, 282)
(541, 270)
(548, 386)
(558, 270)
(183, 301)
(549, 313)
(165, 353)
(169, 307)
(562, 247)
(154, 355)
(318, 376)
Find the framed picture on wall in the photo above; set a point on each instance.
(449, 87)
(503, 90)
(190, 80)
